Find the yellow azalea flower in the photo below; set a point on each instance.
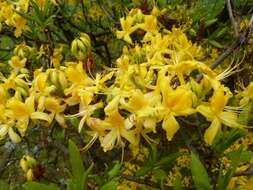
(87, 94)
(76, 74)
(127, 29)
(54, 106)
(57, 57)
(111, 130)
(17, 63)
(23, 5)
(145, 109)
(27, 163)
(150, 24)
(40, 84)
(6, 12)
(21, 112)
(3, 95)
(20, 25)
(85, 111)
(177, 103)
(80, 81)
(215, 111)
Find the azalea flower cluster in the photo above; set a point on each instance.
(154, 83)
(10, 17)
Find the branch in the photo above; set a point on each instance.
(239, 40)
(232, 19)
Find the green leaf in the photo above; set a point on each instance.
(165, 161)
(6, 45)
(230, 136)
(85, 177)
(76, 164)
(115, 170)
(159, 174)
(73, 121)
(71, 184)
(210, 22)
(39, 186)
(144, 170)
(4, 185)
(75, 160)
(178, 184)
(245, 156)
(199, 174)
(111, 185)
(207, 9)
(215, 44)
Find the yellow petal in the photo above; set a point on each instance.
(60, 120)
(150, 123)
(29, 175)
(171, 126)
(15, 138)
(249, 184)
(22, 125)
(179, 101)
(136, 101)
(112, 106)
(206, 112)
(212, 131)
(41, 116)
(29, 102)
(86, 98)
(108, 141)
(130, 136)
(3, 131)
(230, 119)
(18, 108)
(219, 100)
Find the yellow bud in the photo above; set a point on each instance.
(23, 164)
(62, 79)
(29, 175)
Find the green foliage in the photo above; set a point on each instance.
(207, 10)
(6, 45)
(4, 185)
(231, 137)
(39, 186)
(199, 174)
(80, 175)
(54, 26)
(110, 185)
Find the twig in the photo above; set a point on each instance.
(239, 40)
(232, 19)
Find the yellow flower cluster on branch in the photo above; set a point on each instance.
(152, 85)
